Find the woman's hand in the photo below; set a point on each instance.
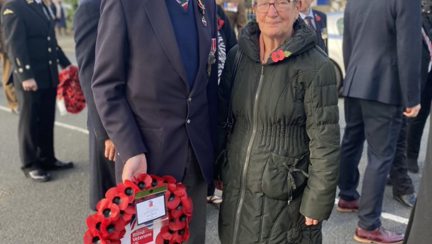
(309, 221)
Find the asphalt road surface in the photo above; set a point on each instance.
(55, 212)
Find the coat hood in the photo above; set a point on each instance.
(303, 39)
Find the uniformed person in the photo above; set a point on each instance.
(29, 36)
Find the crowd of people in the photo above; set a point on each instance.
(191, 89)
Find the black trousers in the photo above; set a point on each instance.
(401, 181)
(417, 124)
(102, 171)
(36, 127)
(379, 124)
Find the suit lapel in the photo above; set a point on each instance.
(33, 5)
(204, 41)
(160, 21)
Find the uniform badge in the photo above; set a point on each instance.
(30, 1)
(8, 11)
(202, 9)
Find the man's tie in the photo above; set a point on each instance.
(308, 20)
(184, 4)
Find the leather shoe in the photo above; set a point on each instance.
(38, 175)
(407, 200)
(345, 206)
(378, 236)
(57, 165)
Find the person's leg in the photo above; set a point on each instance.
(351, 150)
(401, 181)
(27, 129)
(197, 190)
(382, 126)
(102, 173)
(416, 126)
(46, 126)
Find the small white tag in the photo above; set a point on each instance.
(151, 209)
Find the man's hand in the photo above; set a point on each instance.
(109, 150)
(134, 166)
(412, 112)
(29, 85)
(309, 221)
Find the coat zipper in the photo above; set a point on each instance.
(247, 159)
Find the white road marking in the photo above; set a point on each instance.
(388, 216)
(59, 124)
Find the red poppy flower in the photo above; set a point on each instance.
(94, 222)
(129, 189)
(143, 181)
(278, 55)
(172, 201)
(180, 190)
(220, 23)
(317, 18)
(168, 179)
(187, 205)
(108, 209)
(115, 196)
(92, 236)
(128, 213)
(157, 181)
(112, 229)
(177, 224)
(164, 235)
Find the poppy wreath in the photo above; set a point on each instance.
(69, 90)
(117, 209)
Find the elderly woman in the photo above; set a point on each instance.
(283, 153)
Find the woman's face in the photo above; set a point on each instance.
(276, 18)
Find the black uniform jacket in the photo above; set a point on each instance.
(31, 43)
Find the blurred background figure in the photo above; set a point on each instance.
(317, 20)
(59, 13)
(7, 78)
(226, 40)
(235, 10)
(101, 148)
(416, 125)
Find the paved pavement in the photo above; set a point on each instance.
(55, 212)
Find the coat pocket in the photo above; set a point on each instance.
(284, 177)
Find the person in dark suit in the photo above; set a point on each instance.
(416, 125)
(317, 20)
(7, 80)
(382, 52)
(155, 61)
(32, 47)
(102, 150)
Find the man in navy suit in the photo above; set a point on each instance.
(382, 53)
(101, 148)
(154, 66)
(317, 20)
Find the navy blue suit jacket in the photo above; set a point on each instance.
(382, 51)
(141, 90)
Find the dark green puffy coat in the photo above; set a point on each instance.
(283, 153)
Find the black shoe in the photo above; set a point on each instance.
(407, 200)
(412, 165)
(37, 175)
(57, 165)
